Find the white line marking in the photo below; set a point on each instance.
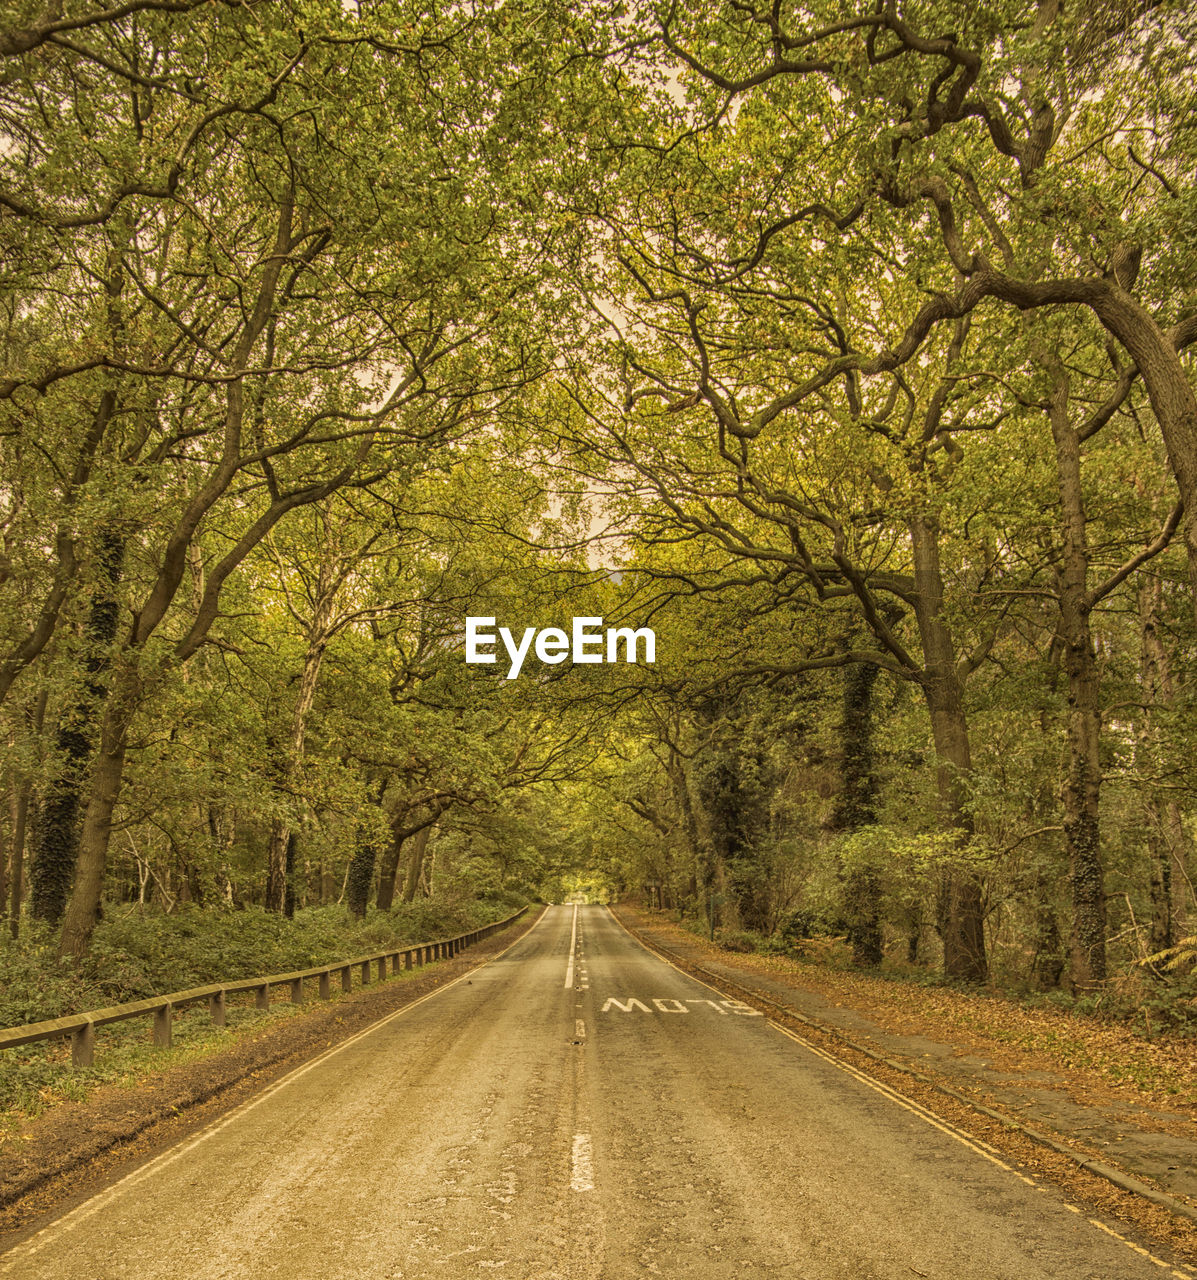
(579, 1029)
(573, 940)
(901, 1099)
(582, 1162)
(625, 1006)
(100, 1201)
(699, 1000)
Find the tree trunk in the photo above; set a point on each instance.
(83, 909)
(327, 882)
(276, 865)
(1167, 841)
(52, 865)
(289, 876)
(277, 875)
(360, 879)
(1048, 963)
(963, 925)
(389, 871)
(21, 797)
(855, 808)
(1173, 400)
(7, 869)
(681, 791)
(1082, 782)
(20, 813)
(415, 864)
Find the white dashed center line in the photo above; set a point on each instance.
(582, 1177)
(573, 942)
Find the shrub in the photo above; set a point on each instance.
(134, 956)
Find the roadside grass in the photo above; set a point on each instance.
(36, 1077)
(135, 957)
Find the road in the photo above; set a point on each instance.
(576, 1109)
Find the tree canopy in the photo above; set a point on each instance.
(849, 349)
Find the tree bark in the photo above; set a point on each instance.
(360, 879)
(962, 906)
(1155, 353)
(856, 807)
(7, 868)
(20, 813)
(280, 829)
(415, 864)
(1047, 966)
(52, 865)
(289, 876)
(1167, 842)
(676, 769)
(83, 909)
(1082, 782)
(389, 871)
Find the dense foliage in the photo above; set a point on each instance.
(848, 348)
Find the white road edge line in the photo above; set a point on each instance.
(102, 1199)
(573, 942)
(907, 1103)
(581, 1164)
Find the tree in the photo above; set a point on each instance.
(278, 318)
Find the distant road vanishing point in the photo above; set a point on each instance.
(577, 1109)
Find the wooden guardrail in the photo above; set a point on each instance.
(81, 1027)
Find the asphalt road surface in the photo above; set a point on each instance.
(577, 1108)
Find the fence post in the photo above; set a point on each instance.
(216, 1008)
(365, 973)
(83, 1045)
(325, 990)
(162, 1019)
(347, 978)
(395, 964)
(262, 997)
(297, 991)
(382, 968)
(407, 959)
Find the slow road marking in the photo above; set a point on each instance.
(668, 1004)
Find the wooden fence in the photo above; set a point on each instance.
(81, 1027)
